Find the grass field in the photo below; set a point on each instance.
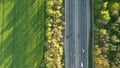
(21, 33)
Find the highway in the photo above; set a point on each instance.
(77, 14)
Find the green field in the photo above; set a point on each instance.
(21, 33)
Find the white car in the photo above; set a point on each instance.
(83, 50)
(82, 64)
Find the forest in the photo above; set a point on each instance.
(107, 33)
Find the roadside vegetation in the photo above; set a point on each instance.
(53, 56)
(107, 34)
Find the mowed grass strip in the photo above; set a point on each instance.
(21, 33)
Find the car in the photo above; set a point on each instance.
(83, 50)
(82, 64)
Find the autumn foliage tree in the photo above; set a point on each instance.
(107, 34)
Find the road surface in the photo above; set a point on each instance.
(77, 33)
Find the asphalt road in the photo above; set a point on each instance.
(77, 33)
